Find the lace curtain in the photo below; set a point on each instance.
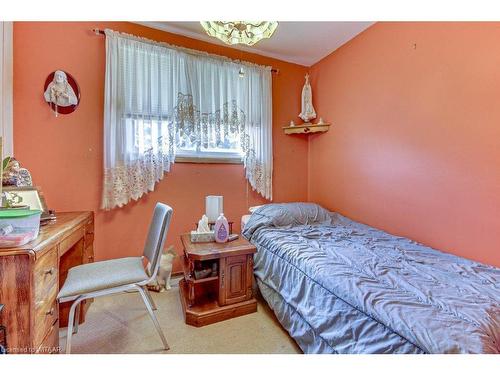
(160, 98)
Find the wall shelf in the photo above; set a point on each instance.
(306, 129)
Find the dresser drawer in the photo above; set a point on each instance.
(45, 316)
(46, 281)
(45, 277)
(50, 345)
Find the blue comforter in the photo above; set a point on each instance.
(339, 286)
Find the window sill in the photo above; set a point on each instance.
(208, 160)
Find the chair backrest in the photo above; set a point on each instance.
(157, 235)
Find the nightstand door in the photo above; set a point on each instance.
(235, 279)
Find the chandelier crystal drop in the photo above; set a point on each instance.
(240, 32)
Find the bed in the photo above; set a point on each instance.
(338, 286)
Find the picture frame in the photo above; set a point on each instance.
(31, 196)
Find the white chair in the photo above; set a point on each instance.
(119, 275)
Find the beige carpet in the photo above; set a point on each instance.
(121, 324)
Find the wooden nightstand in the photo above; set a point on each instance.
(227, 294)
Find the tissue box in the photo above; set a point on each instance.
(202, 237)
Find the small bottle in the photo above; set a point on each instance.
(221, 229)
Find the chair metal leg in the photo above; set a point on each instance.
(152, 315)
(150, 298)
(77, 318)
(71, 320)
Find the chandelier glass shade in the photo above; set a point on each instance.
(240, 32)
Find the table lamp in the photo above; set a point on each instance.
(214, 205)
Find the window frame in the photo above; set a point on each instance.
(6, 87)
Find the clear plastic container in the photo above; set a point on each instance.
(18, 226)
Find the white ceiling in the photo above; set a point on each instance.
(303, 43)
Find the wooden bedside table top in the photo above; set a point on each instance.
(214, 250)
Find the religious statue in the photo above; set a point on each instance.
(308, 112)
(14, 175)
(60, 92)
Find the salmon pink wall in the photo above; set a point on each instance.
(65, 154)
(415, 145)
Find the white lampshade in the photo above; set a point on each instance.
(214, 206)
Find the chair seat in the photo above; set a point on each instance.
(106, 274)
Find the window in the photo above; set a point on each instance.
(218, 138)
(196, 137)
(165, 103)
(144, 132)
(187, 149)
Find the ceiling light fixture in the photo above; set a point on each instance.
(240, 32)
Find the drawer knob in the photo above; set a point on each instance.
(50, 271)
(50, 312)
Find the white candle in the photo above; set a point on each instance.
(213, 207)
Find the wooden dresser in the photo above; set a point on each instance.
(30, 278)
